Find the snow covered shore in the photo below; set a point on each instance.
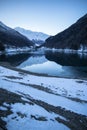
(37, 102)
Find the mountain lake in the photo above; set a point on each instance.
(71, 65)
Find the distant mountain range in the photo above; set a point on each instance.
(74, 37)
(35, 36)
(11, 38)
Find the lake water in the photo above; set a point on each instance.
(51, 63)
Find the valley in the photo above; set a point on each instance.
(43, 78)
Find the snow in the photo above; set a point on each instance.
(27, 111)
(26, 123)
(5, 104)
(62, 90)
(13, 50)
(33, 109)
(32, 35)
(58, 85)
(4, 26)
(66, 50)
(83, 48)
(3, 108)
(64, 86)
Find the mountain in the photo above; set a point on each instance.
(36, 36)
(11, 38)
(2, 48)
(74, 37)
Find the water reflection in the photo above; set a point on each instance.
(66, 59)
(33, 60)
(52, 63)
(15, 59)
(73, 65)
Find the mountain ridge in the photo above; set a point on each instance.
(32, 35)
(12, 38)
(74, 37)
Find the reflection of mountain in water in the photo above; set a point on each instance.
(65, 59)
(33, 60)
(55, 64)
(14, 60)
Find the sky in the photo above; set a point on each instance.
(48, 16)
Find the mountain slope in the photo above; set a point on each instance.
(2, 48)
(75, 37)
(9, 37)
(32, 35)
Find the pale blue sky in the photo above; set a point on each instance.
(49, 16)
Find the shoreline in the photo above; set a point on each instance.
(43, 49)
(64, 97)
(7, 65)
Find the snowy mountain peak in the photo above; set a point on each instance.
(2, 24)
(10, 37)
(32, 34)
